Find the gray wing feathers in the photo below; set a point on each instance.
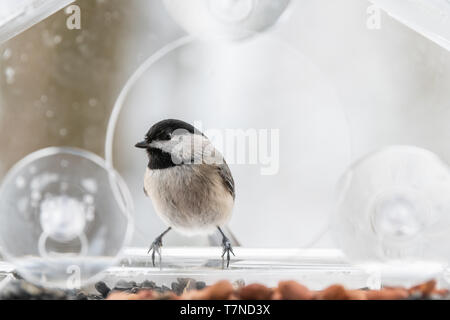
(145, 192)
(225, 173)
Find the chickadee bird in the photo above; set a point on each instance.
(188, 181)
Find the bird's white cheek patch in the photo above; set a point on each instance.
(190, 148)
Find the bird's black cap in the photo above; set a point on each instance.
(163, 130)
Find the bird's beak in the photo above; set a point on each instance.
(142, 145)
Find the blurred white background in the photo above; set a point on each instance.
(335, 88)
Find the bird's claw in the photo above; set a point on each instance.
(156, 248)
(226, 245)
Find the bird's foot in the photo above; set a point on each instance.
(226, 245)
(156, 248)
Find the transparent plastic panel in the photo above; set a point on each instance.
(431, 18)
(315, 268)
(19, 15)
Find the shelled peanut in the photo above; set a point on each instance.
(288, 290)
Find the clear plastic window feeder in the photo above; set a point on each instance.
(332, 115)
